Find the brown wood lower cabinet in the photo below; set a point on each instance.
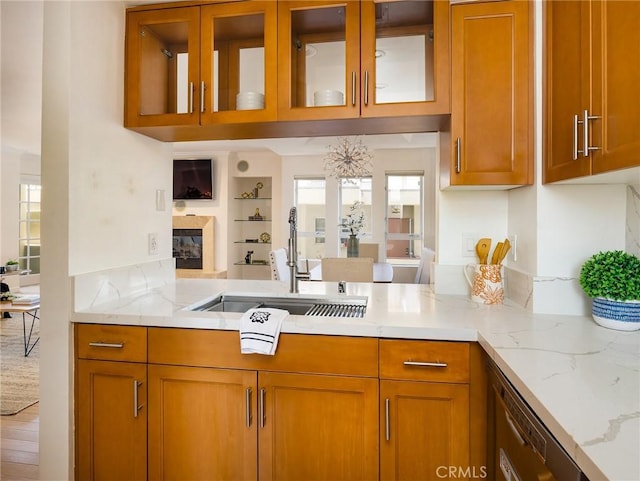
(318, 427)
(111, 432)
(207, 424)
(425, 429)
(110, 403)
(432, 410)
(323, 408)
(198, 424)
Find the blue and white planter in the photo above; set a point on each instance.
(620, 315)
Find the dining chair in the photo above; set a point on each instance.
(352, 269)
(278, 263)
(423, 274)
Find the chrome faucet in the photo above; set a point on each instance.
(292, 260)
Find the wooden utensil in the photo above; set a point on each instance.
(505, 248)
(495, 258)
(482, 249)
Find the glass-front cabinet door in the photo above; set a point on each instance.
(318, 59)
(162, 67)
(404, 57)
(238, 58)
(364, 58)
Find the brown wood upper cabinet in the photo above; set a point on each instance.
(592, 111)
(363, 58)
(491, 95)
(201, 64)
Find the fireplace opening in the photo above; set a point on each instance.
(187, 248)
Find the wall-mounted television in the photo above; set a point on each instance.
(192, 179)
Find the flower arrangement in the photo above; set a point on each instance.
(612, 275)
(354, 220)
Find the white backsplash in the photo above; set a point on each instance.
(110, 285)
(633, 220)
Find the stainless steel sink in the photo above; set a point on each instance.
(301, 306)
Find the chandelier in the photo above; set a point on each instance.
(348, 158)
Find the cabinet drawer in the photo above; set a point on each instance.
(424, 360)
(112, 343)
(317, 354)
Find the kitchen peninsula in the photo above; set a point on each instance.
(582, 380)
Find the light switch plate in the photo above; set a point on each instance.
(469, 242)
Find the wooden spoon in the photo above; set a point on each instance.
(505, 248)
(497, 252)
(482, 249)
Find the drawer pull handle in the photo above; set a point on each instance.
(136, 407)
(248, 407)
(425, 364)
(353, 89)
(261, 407)
(585, 121)
(202, 89)
(575, 137)
(387, 422)
(190, 97)
(115, 345)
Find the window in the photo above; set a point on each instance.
(355, 190)
(404, 231)
(29, 237)
(310, 203)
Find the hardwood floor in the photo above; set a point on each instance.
(19, 445)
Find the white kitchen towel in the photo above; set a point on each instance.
(260, 329)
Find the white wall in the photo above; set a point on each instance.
(9, 185)
(20, 110)
(99, 183)
(478, 213)
(633, 219)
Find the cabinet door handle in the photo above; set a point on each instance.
(202, 89)
(136, 407)
(353, 89)
(113, 345)
(425, 364)
(387, 427)
(585, 120)
(261, 407)
(366, 87)
(458, 155)
(190, 97)
(575, 137)
(248, 406)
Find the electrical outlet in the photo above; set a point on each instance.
(153, 244)
(514, 247)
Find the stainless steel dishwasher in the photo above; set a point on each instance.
(521, 446)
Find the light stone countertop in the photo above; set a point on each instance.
(582, 380)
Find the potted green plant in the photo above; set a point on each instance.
(354, 222)
(612, 280)
(12, 265)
